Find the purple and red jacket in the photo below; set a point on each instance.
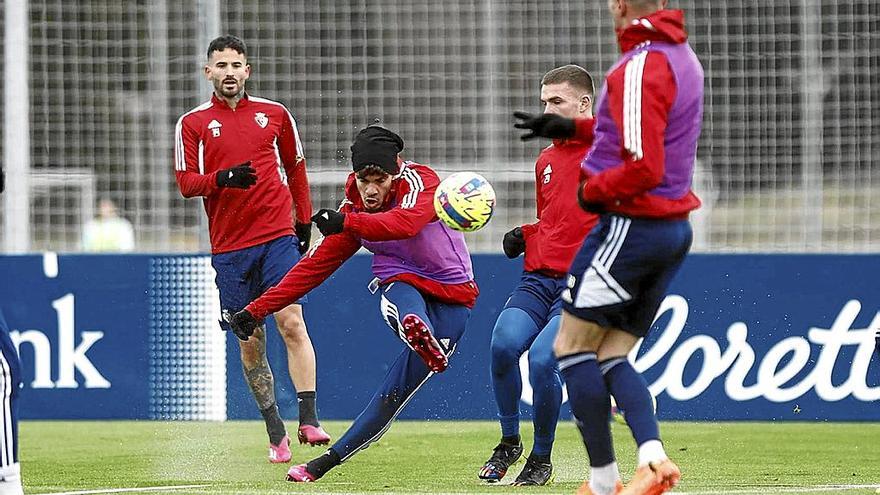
(648, 122)
(409, 243)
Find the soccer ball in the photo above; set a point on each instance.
(465, 201)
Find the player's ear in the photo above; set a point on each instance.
(586, 103)
(617, 7)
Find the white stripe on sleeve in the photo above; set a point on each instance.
(632, 105)
(179, 150)
(415, 185)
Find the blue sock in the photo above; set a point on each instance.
(546, 387)
(633, 397)
(590, 405)
(514, 331)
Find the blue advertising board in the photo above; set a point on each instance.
(740, 337)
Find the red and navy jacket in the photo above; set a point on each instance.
(214, 136)
(553, 241)
(409, 244)
(648, 123)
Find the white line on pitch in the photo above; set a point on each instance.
(758, 490)
(128, 490)
(780, 489)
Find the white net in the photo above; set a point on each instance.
(786, 158)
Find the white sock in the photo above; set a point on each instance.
(604, 479)
(651, 451)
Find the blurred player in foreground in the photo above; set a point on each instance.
(639, 173)
(530, 318)
(254, 239)
(423, 275)
(10, 385)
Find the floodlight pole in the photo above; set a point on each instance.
(16, 127)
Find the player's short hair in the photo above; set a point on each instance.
(644, 4)
(227, 41)
(572, 74)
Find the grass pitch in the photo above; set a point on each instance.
(435, 457)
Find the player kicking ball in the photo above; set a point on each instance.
(424, 280)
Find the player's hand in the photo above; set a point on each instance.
(303, 235)
(514, 244)
(588, 207)
(243, 324)
(329, 221)
(239, 177)
(546, 125)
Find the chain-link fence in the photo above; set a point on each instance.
(786, 160)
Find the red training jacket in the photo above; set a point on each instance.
(553, 241)
(212, 137)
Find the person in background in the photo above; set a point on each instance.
(243, 156)
(108, 232)
(530, 318)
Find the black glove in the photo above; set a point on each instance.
(597, 208)
(514, 244)
(546, 125)
(2, 179)
(240, 176)
(329, 221)
(243, 324)
(304, 235)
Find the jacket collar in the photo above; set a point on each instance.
(663, 25)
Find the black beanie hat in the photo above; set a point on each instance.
(376, 145)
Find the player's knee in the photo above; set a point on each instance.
(293, 329)
(542, 363)
(505, 351)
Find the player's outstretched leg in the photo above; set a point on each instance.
(546, 402)
(406, 375)
(656, 473)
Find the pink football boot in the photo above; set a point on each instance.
(299, 474)
(313, 435)
(280, 454)
(420, 339)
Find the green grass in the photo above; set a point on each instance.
(436, 457)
